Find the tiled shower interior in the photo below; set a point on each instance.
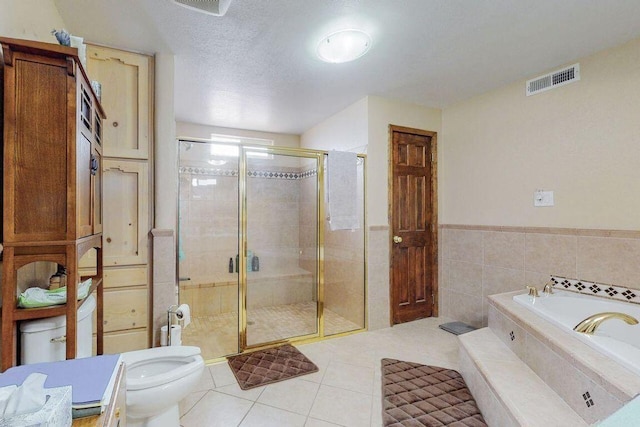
(281, 214)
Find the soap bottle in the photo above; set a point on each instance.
(54, 282)
(62, 271)
(255, 263)
(230, 265)
(249, 260)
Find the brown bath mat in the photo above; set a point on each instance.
(270, 366)
(415, 395)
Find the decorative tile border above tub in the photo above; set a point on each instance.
(602, 290)
(252, 173)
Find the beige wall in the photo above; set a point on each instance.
(29, 19)
(364, 127)
(345, 130)
(382, 113)
(579, 140)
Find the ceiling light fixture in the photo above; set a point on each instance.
(343, 46)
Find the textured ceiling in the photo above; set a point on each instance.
(255, 68)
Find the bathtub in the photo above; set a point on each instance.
(613, 337)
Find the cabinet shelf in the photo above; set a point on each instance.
(53, 310)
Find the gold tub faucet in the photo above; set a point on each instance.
(591, 323)
(533, 291)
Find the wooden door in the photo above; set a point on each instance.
(413, 224)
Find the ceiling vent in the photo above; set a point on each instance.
(552, 80)
(211, 7)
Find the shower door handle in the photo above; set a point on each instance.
(397, 239)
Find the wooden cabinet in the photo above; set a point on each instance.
(49, 179)
(126, 200)
(52, 210)
(126, 79)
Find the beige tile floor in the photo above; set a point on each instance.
(345, 392)
(217, 335)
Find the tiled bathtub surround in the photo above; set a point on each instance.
(478, 261)
(592, 384)
(602, 290)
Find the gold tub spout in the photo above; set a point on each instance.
(591, 323)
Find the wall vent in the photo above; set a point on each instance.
(212, 7)
(552, 80)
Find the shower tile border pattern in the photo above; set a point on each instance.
(251, 173)
(477, 261)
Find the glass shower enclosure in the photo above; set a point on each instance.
(256, 263)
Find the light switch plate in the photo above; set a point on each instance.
(543, 198)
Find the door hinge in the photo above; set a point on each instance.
(433, 299)
(432, 157)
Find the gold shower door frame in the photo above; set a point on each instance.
(319, 156)
(242, 267)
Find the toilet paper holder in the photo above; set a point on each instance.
(173, 309)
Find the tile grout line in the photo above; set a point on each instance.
(194, 405)
(245, 415)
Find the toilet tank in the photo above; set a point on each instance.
(43, 340)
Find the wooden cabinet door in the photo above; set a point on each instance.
(125, 309)
(131, 340)
(83, 186)
(88, 156)
(97, 172)
(96, 189)
(126, 212)
(126, 82)
(37, 169)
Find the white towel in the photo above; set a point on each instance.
(342, 183)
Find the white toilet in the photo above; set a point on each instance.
(157, 380)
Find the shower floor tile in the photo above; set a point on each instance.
(217, 335)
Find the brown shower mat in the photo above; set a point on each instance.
(415, 395)
(270, 366)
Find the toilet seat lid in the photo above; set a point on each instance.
(189, 361)
(177, 351)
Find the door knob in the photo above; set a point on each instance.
(397, 239)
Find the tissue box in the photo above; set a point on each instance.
(55, 413)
